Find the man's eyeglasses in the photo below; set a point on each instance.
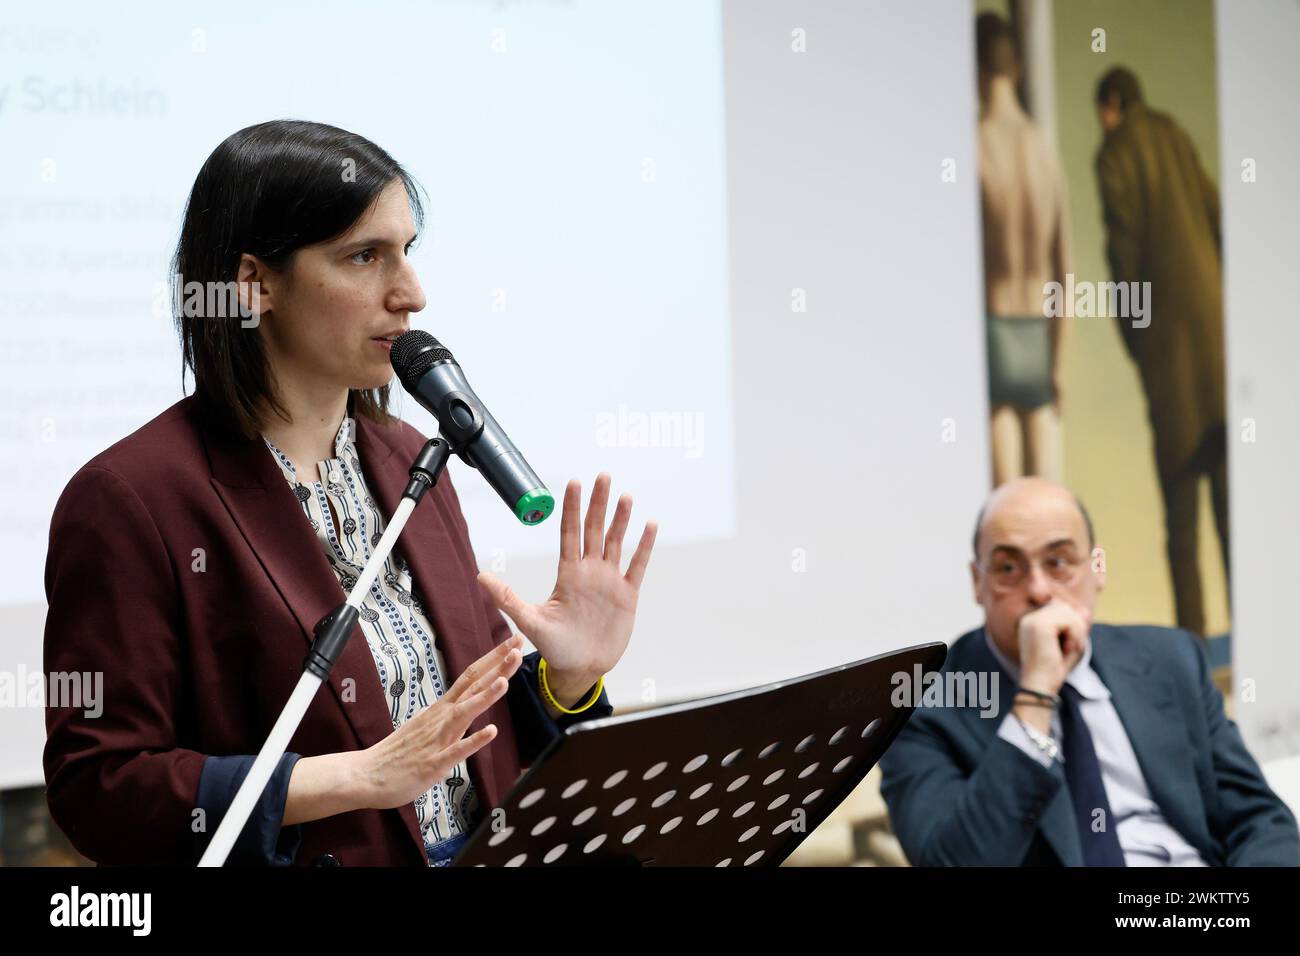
(1009, 569)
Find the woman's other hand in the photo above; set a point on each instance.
(425, 749)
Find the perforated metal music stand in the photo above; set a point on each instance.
(734, 780)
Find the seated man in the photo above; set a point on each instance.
(1113, 749)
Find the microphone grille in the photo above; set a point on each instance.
(414, 353)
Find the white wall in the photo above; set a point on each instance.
(1258, 79)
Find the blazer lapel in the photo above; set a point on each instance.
(1057, 822)
(1144, 700)
(248, 480)
(448, 594)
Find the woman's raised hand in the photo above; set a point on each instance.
(583, 628)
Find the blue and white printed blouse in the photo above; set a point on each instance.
(392, 617)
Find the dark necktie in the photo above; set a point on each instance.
(1083, 776)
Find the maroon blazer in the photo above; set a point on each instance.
(200, 650)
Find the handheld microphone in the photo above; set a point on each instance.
(432, 375)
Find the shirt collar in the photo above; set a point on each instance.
(343, 439)
(346, 432)
(1083, 678)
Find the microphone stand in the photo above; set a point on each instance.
(332, 633)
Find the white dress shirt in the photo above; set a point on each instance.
(1145, 837)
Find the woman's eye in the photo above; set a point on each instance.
(363, 252)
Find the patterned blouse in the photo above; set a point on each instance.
(392, 617)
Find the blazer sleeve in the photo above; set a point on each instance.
(264, 841)
(1250, 821)
(117, 782)
(946, 814)
(535, 728)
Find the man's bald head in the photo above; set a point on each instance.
(1029, 552)
(1014, 493)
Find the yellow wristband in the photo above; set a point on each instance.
(550, 698)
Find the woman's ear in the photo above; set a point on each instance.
(252, 289)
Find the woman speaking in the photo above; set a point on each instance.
(190, 562)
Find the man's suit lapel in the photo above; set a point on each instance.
(1057, 822)
(1144, 699)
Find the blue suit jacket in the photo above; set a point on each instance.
(959, 795)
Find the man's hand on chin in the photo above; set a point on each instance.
(1052, 640)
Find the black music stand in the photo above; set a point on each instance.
(734, 780)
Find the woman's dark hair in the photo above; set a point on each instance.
(267, 190)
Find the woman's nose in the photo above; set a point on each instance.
(406, 294)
